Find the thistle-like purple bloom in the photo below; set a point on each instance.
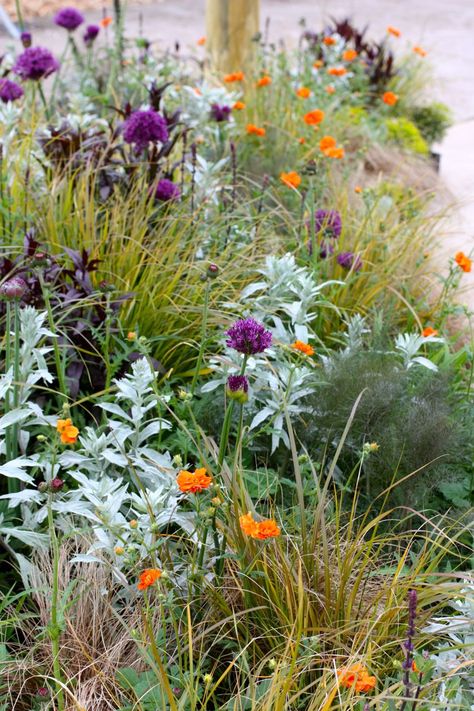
(144, 127)
(69, 18)
(349, 260)
(249, 337)
(329, 222)
(167, 190)
(91, 34)
(26, 39)
(236, 383)
(220, 113)
(35, 63)
(9, 91)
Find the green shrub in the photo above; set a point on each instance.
(404, 132)
(432, 121)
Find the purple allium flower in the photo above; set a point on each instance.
(220, 113)
(69, 18)
(144, 127)
(349, 260)
(237, 388)
(26, 39)
(14, 288)
(91, 34)
(9, 91)
(167, 190)
(249, 337)
(328, 221)
(35, 63)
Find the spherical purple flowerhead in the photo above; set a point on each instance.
(91, 34)
(167, 190)
(35, 63)
(220, 113)
(329, 222)
(26, 39)
(9, 91)
(249, 337)
(237, 388)
(14, 288)
(69, 18)
(144, 127)
(349, 260)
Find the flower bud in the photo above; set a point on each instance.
(178, 461)
(42, 693)
(119, 550)
(272, 663)
(133, 523)
(26, 39)
(212, 271)
(237, 388)
(56, 484)
(207, 678)
(14, 288)
(41, 438)
(43, 487)
(131, 336)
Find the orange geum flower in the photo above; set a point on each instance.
(303, 347)
(148, 577)
(326, 143)
(291, 179)
(318, 64)
(336, 152)
(248, 525)
(105, 22)
(312, 118)
(239, 106)
(428, 331)
(302, 140)
(330, 89)
(419, 50)
(349, 55)
(329, 41)
(67, 431)
(303, 92)
(358, 189)
(192, 482)
(254, 130)
(233, 77)
(356, 676)
(389, 98)
(463, 262)
(394, 31)
(131, 336)
(259, 529)
(264, 81)
(201, 41)
(337, 71)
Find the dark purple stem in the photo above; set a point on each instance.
(409, 647)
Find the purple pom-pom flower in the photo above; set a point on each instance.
(69, 18)
(145, 127)
(167, 190)
(35, 63)
(220, 113)
(349, 260)
(249, 337)
(237, 388)
(90, 34)
(329, 222)
(9, 91)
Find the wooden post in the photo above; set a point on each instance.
(230, 27)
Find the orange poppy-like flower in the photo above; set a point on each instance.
(337, 152)
(302, 140)
(105, 22)
(254, 130)
(329, 41)
(326, 143)
(330, 89)
(201, 41)
(303, 92)
(234, 76)
(428, 331)
(197, 91)
(337, 71)
(68, 432)
(192, 482)
(303, 347)
(318, 64)
(463, 262)
(312, 118)
(357, 676)
(419, 50)
(264, 81)
(239, 106)
(390, 98)
(291, 179)
(148, 577)
(394, 31)
(358, 189)
(349, 55)
(260, 530)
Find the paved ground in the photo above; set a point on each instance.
(445, 30)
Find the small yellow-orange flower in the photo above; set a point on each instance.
(428, 331)
(302, 140)
(330, 89)
(349, 55)
(390, 98)
(312, 118)
(291, 179)
(148, 577)
(419, 50)
(201, 41)
(463, 262)
(259, 529)
(264, 81)
(357, 676)
(254, 130)
(337, 71)
(239, 106)
(318, 64)
(105, 22)
(303, 347)
(329, 41)
(68, 432)
(131, 336)
(192, 482)
(303, 92)
(233, 77)
(358, 189)
(337, 153)
(326, 143)
(394, 31)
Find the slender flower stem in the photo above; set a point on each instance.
(19, 15)
(227, 422)
(54, 629)
(44, 101)
(202, 344)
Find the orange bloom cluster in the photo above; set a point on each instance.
(192, 482)
(303, 92)
(259, 529)
(337, 71)
(201, 41)
(105, 22)
(330, 89)
(390, 98)
(264, 81)
(254, 130)
(357, 676)
(234, 76)
(68, 432)
(291, 179)
(303, 347)
(148, 577)
(328, 146)
(428, 331)
(312, 118)
(349, 55)
(329, 41)
(239, 106)
(318, 64)
(463, 262)
(393, 31)
(419, 50)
